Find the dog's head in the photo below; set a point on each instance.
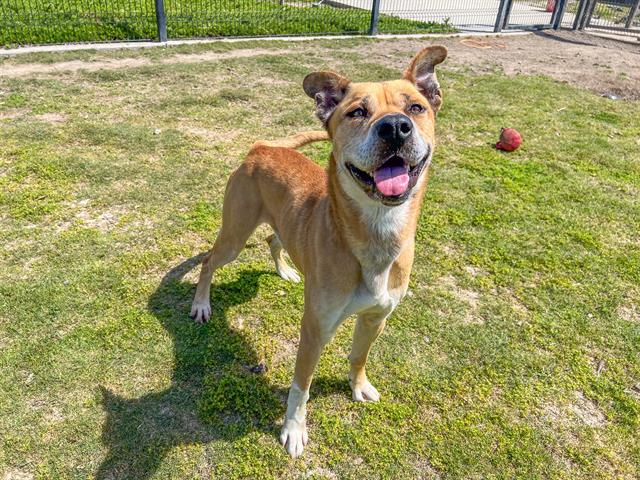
(382, 133)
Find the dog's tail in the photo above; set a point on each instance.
(295, 141)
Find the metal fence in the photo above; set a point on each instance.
(617, 16)
(63, 21)
(68, 21)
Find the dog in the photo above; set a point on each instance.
(350, 229)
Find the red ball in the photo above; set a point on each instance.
(510, 139)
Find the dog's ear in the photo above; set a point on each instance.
(327, 89)
(422, 73)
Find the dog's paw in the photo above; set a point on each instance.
(200, 311)
(289, 274)
(294, 437)
(364, 392)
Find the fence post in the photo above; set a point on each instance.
(577, 20)
(632, 13)
(375, 15)
(501, 18)
(588, 14)
(161, 21)
(558, 13)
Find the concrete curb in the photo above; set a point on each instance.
(171, 43)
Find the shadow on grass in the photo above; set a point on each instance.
(213, 394)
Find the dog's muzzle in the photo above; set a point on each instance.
(391, 182)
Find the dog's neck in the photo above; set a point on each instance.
(375, 233)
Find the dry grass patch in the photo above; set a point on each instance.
(470, 298)
(52, 117)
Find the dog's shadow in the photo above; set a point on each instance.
(214, 394)
(232, 399)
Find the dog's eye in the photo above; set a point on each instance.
(416, 108)
(357, 113)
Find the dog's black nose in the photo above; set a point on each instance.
(394, 129)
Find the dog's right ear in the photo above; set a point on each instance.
(327, 89)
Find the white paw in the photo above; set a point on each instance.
(289, 274)
(200, 311)
(294, 437)
(365, 392)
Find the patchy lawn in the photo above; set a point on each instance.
(516, 354)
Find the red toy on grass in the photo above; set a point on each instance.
(510, 139)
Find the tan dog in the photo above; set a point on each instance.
(350, 230)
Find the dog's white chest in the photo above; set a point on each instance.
(372, 294)
(364, 300)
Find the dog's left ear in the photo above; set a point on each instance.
(422, 73)
(327, 89)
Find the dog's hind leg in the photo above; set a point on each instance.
(241, 214)
(277, 252)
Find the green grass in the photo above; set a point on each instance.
(514, 356)
(38, 22)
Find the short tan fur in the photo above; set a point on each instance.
(352, 241)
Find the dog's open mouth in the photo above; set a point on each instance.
(391, 182)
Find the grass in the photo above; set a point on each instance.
(36, 22)
(515, 355)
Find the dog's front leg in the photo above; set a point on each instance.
(368, 327)
(312, 340)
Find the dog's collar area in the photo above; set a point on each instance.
(367, 183)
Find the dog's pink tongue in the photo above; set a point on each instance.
(391, 181)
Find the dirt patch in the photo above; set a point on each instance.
(450, 249)
(286, 351)
(30, 69)
(241, 53)
(55, 118)
(629, 312)
(14, 113)
(10, 70)
(634, 391)
(425, 470)
(587, 411)
(602, 65)
(472, 270)
(581, 410)
(15, 474)
(227, 135)
(103, 222)
(54, 415)
(469, 297)
(320, 472)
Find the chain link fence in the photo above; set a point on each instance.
(64, 21)
(24, 22)
(617, 16)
